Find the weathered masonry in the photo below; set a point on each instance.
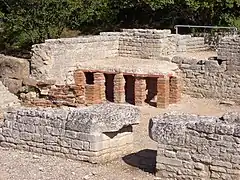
(215, 77)
(98, 87)
(197, 147)
(96, 134)
(127, 66)
(141, 56)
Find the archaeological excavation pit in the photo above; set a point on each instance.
(153, 83)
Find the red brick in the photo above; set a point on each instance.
(140, 91)
(92, 94)
(175, 89)
(79, 78)
(163, 92)
(99, 79)
(119, 88)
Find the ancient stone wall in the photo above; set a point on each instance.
(55, 58)
(228, 50)
(58, 58)
(197, 147)
(98, 133)
(216, 77)
(195, 44)
(147, 43)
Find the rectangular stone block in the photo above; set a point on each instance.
(169, 161)
(119, 90)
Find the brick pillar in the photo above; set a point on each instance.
(119, 88)
(163, 92)
(140, 91)
(175, 89)
(79, 88)
(92, 94)
(99, 80)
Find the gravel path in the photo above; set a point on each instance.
(18, 165)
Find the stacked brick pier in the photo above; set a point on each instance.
(90, 88)
(119, 90)
(168, 88)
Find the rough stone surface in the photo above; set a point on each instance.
(7, 99)
(95, 134)
(103, 118)
(13, 71)
(215, 77)
(55, 58)
(206, 147)
(58, 58)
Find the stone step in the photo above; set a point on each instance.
(195, 43)
(198, 49)
(198, 46)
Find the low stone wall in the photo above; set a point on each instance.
(96, 134)
(216, 77)
(197, 147)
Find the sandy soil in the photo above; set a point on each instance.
(18, 165)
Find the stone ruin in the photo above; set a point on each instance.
(133, 66)
(197, 147)
(136, 66)
(96, 134)
(117, 67)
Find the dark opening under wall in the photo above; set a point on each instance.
(129, 89)
(109, 84)
(151, 91)
(89, 77)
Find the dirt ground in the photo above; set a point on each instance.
(18, 165)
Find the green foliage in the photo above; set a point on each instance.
(26, 22)
(32, 21)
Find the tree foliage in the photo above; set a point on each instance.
(25, 22)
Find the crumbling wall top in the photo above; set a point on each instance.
(108, 117)
(172, 126)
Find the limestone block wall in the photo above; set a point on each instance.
(188, 43)
(55, 58)
(217, 77)
(229, 51)
(197, 147)
(96, 87)
(147, 43)
(96, 134)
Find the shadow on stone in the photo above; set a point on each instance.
(144, 160)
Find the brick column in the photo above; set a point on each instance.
(99, 80)
(175, 89)
(92, 94)
(140, 91)
(119, 88)
(163, 92)
(79, 88)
